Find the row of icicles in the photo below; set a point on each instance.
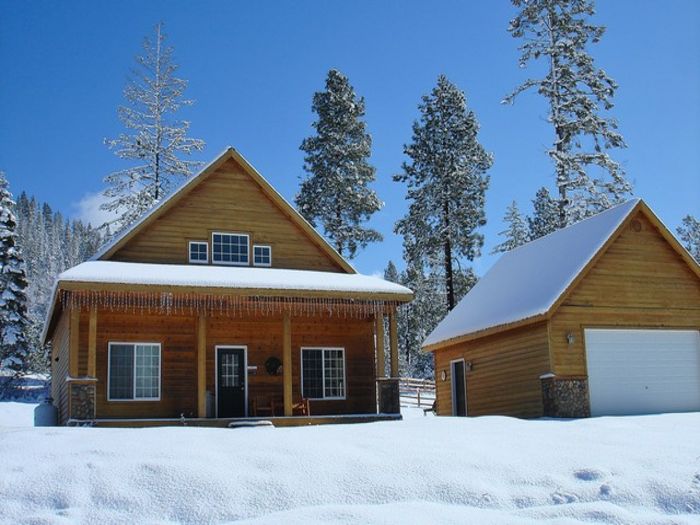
(226, 305)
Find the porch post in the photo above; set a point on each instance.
(92, 343)
(287, 363)
(379, 332)
(202, 366)
(393, 344)
(74, 342)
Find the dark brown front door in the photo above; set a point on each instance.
(231, 381)
(459, 389)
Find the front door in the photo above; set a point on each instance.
(459, 389)
(231, 381)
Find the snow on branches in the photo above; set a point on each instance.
(578, 93)
(336, 193)
(154, 141)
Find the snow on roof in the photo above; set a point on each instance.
(527, 281)
(112, 272)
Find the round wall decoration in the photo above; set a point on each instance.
(443, 375)
(273, 366)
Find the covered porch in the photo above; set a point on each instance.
(298, 358)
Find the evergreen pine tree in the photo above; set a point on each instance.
(154, 141)
(336, 194)
(689, 233)
(14, 349)
(545, 218)
(578, 94)
(516, 234)
(49, 244)
(446, 186)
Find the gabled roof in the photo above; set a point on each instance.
(528, 283)
(229, 153)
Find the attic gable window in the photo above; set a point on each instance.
(262, 255)
(230, 248)
(199, 252)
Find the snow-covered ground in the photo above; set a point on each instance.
(421, 470)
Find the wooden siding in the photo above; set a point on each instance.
(227, 201)
(504, 379)
(640, 281)
(263, 338)
(60, 349)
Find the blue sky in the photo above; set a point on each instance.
(253, 68)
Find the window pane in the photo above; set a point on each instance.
(262, 255)
(230, 370)
(198, 252)
(147, 371)
(312, 369)
(121, 372)
(227, 247)
(335, 373)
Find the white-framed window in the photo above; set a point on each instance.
(230, 248)
(133, 372)
(323, 373)
(262, 255)
(199, 252)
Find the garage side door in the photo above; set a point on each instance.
(643, 371)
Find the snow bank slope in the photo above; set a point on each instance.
(437, 470)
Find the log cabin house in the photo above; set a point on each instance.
(222, 303)
(600, 318)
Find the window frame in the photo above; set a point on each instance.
(323, 373)
(231, 263)
(189, 252)
(268, 265)
(134, 344)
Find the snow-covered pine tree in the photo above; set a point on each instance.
(689, 233)
(336, 193)
(578, 94)
(545, 218)
(14, 349)
(49, 244)
(154, 140)
(516, 233)
(446, 179)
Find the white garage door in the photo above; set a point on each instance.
(643, 371)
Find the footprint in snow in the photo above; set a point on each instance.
(588, 474)
(606, 490)
(564, 497)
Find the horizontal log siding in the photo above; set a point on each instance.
(59, 366)
(505, 375)
(640, 281)
(263, 338)
(177, 336)
(228, 201)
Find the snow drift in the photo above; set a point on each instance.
(420, 470)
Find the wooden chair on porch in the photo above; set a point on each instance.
(273, 406)
(301, 407)
(265, 405)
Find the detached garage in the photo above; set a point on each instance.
(600, 318)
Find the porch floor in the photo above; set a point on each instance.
(290, 421)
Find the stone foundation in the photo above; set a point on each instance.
(565, 396)
(82, 400)
(388, 392)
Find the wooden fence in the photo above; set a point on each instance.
(417, 392)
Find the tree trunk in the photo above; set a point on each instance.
(561, 139)
(449, 282)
